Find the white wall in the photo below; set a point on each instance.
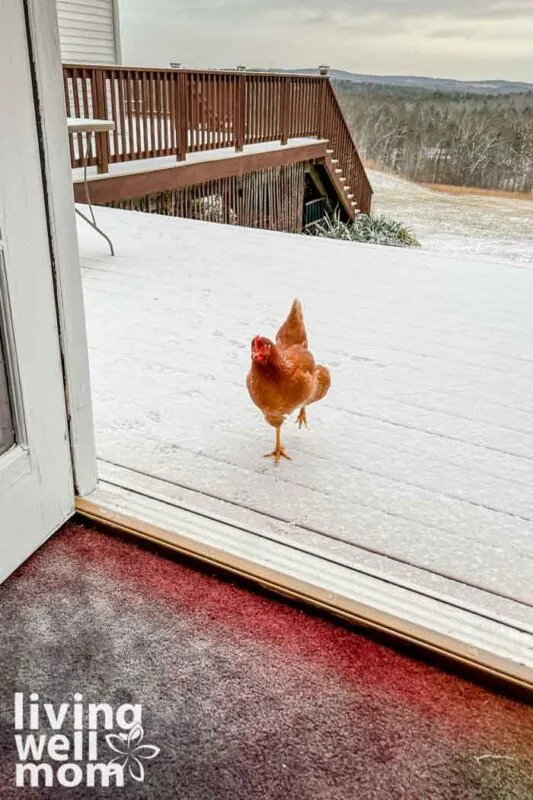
(88, 31)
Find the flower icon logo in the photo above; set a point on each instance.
(131, 751)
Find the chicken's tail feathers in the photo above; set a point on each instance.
(296, 308)
(293, 329)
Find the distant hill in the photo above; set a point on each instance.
(420, 82)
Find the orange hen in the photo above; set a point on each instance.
(284, 377)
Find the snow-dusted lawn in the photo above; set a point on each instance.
(423, 449)
(462, 225)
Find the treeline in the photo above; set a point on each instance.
(444, 137)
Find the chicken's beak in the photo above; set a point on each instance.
(260, 350)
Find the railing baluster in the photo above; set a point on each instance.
(225, 118)
(247, 105)
(261, 110)
(206, 115)
(113, 86)
(211, 112)
(254, 108)
(210, 115)
(157, 90)
(193, 97)
(181, 120)
(100, 112)
(129, 101)
(240, 111)
(144, 113)
(85, 111)
(78, 137)
(166, 140)
(263, 122)
(295, 107)
(284, 89)
(156, 99)
(157, 111)
(154, 112)
(139, 142)
(200, 109)
(292, 108)
(68, 105)
(231, 110)
(172, 122)
(272, 111)
(202, 112)
(298, 98)
(120, 118)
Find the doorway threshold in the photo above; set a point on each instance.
(475, 635)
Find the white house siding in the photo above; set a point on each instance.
(88, 31)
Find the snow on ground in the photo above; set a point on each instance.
(461, 225)
(423, 449)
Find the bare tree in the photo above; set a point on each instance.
(437, 137)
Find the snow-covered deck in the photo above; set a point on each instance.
(202, 156)
(419, 463)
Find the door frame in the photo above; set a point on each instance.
(43, 43)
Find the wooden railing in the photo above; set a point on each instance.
(172, 112)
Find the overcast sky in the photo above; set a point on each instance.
(468, 39)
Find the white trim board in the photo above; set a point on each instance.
(493, 646)
(57, 176)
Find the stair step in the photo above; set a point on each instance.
(342, 179)
(334, 160)
(330, 152)
(350, 197)
(338, 171)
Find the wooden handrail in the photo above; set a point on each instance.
(172, 112)
(345, 151)
(197, 71)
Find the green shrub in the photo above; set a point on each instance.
(374, 229)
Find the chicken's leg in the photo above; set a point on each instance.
(302, 418)
(279, 452)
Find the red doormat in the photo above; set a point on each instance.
(242, 696)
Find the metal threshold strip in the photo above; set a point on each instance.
(486, 646)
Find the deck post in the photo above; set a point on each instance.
(100, 112)
(324, 72)
(240, 110)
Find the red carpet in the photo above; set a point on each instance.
(245, 697)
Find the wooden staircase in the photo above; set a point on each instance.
(344, 191)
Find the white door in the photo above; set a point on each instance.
(36, 487)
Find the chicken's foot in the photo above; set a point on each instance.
(278, 453)
(302, 418)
